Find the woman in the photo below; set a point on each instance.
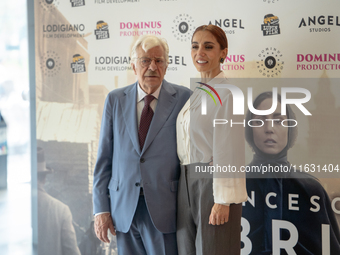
(209, 210)
(295, 201)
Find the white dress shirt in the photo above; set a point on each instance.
(199, 141)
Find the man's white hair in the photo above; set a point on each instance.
(147, 42)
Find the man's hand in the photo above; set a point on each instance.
(102, 223)
(219, 214)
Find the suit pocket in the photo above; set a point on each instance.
(174, 186)
(113, 185)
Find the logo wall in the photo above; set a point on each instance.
(63, 30)
(140, 28)
(229, 26)
(270, 1)
(78, 64)
(321, 23)
(176, 62)
(312, 62)
(112, 63)
(270, 25)
(102, 30)
(114, 1)
(271, 62)
(122, 63)
(50, 64)
(49, 5)
(183, 27)
(77, 3)
(234, 63)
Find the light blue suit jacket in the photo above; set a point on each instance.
(121, 165)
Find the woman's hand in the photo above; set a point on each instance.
(219, 214)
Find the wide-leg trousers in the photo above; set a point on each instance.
(195, 236)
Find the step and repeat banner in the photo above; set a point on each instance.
(82, 52)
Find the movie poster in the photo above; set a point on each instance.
(82, 52)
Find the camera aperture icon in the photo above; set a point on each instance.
(271, 62)
(183, 27)
(50, 64)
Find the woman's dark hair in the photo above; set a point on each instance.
(217, 32)
(292, 131)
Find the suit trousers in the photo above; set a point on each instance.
(143, 238)
(195, 236)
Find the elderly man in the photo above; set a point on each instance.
(137, 169)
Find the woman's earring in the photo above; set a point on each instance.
(222, 60)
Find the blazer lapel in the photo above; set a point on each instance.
(165, 105)
(129, 109)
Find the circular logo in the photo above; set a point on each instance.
(50, 63)
(271, 62)
(183, 27)
(49, 5)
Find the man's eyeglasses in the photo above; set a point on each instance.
(146, 62)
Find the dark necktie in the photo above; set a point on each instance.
(145, 120)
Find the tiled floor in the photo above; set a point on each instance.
(15, 217)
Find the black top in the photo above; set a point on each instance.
(297, 201)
